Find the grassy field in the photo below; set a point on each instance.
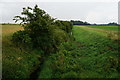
(99, 53)
(105, 31)
(93, 54)
(113, 28)
(10, 29)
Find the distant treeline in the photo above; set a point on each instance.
(77, 22)
(80, 22)
(9, 24)
(109, 24)
(113, 24)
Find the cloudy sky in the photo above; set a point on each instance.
(93, 11)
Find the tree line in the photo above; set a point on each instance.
(78, 22)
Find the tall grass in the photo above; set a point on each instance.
(18, 63)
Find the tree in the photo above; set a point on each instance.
(40, 30)
(113, 24)
(37, 25)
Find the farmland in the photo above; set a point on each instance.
(113, 28)
(93, 54)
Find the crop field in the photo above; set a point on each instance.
(93, 54)
(9, 29)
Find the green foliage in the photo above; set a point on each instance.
(64, 25)
(59, 37)
(22, 38)
(46, 71)
(92, 55)
(40, 35)
(70, 74)
(17, 63)
(41, 31)
(20, 65)
(67, 26)
(96, 57)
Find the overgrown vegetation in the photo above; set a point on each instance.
(40, 36)
(92, 55)
(17, 63)
(41, 31)
(57, 48)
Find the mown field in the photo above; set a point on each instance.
(93, 54)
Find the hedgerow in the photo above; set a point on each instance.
(41, 31)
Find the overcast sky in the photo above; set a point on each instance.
(93, 11)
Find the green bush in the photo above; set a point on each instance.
(70, 74)
(22, 38)
(64, 25)
(41, 31)
(67, 26)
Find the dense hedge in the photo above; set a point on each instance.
(41, 31)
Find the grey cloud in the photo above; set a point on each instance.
(94, 12)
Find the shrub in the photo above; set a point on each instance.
(22, 38)
(67, 26)
(70, 74)
(41, 31)
(19, 65)
(64, 25)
